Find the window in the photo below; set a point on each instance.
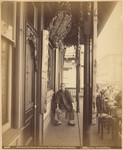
(8, 20)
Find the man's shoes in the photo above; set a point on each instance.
(71, 122)
(57, 123)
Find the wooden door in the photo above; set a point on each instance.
(30, 86)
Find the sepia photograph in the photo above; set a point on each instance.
(61, 74)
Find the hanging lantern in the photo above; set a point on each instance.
(61, 23)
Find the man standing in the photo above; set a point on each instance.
(64, 102)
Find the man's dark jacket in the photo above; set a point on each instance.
(63, 99)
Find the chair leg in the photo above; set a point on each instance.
(98, 126)
(102, 130)
(113, 130)
(108, 127)
(66, 115)
(117, 129)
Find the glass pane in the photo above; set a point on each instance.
(4, 59)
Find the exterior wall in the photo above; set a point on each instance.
(15, 135)
(26, 123)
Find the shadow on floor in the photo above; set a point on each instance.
(106, 142)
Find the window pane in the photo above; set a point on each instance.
(4, 59)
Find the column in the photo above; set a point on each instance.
(77, 76)
(40, 136)
(94, 62)
(87, 103)
(0, 94)
(19, 71)
(19, 68)
(56, 69)
(95, 21)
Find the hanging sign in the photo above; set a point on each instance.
(45, 42)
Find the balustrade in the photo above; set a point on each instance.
(73, 91)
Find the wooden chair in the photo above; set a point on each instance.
(104, 119)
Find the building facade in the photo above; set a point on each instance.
(33, 40)
(30, 74)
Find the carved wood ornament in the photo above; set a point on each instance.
(60, 24)
(32, 39)
(95, 65)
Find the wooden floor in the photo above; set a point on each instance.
(68, 136)
(65, 135)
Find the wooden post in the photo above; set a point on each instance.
(82, 67)
(94, 49)
(87, 103)
(40, 58)
(18, 71)
(56, 69)
(78, 64)
(19, 68)
(91, 79)
(35, 110)
(0, 93)
(77, 76)
(86, 106)
(61, 63)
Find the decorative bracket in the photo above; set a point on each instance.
(95, 65)
(32, 37)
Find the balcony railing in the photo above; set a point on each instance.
(73, 91)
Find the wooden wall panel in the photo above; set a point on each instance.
(28, 134)
(29, 85)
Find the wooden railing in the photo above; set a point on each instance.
(73, 91)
